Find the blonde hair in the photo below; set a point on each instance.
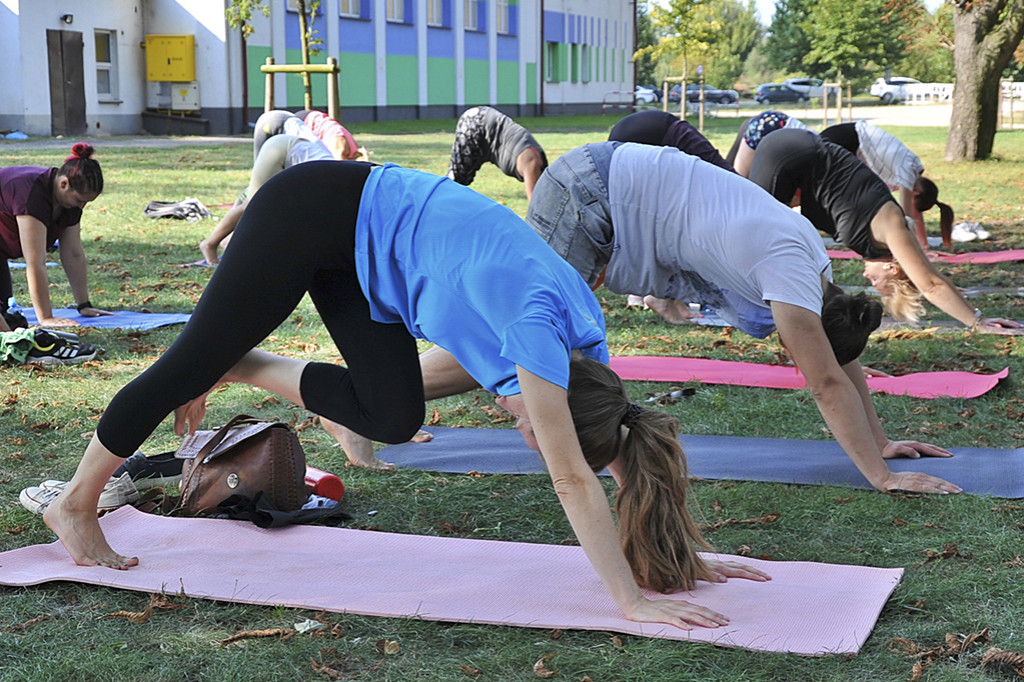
(903, 300)
(659, 536)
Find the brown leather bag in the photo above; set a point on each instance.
(243, 457)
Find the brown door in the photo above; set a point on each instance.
(67, 82)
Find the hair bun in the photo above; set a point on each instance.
(81, 150)
(868, 312)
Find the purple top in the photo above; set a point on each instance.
(28, 190)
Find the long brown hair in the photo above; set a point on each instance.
(659, 536)
(927, 197)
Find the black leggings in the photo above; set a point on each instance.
(297, 235)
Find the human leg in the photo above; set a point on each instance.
(269, 124)
(468, 149)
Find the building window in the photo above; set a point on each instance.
(106, 66)
(502, 16)
(349, 8)
(551, 65)
(396, 10)
(585, 63)
(471, 18)
(435, 12)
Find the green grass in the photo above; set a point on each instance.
(48, 415)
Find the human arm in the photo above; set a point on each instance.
(72, 259)
(586, 506)
(889, 228)
(209, 246)
(32, 235)
(843, 400)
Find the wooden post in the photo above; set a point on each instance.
(268, 95)
(333, 97)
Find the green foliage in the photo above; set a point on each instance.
(239, 14)
(849, 40)
(788, 42)
(685, 27)
(740, 33)
(646, 39)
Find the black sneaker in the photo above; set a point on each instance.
(50, 349)
(148, 472)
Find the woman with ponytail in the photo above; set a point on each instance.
(41, 208)
(694, 233)
(844, 198)
(900, 169)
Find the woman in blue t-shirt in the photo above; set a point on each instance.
(390, 255)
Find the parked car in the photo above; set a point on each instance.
(645, 95)
(710, 94)
(892, 88)
(809, 86)
(657, 89)
(772, 93)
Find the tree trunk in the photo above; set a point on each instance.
(304, 30)
(986, 33)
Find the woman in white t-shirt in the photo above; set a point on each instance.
(693, 232)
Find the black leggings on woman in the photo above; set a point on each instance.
(296, 236)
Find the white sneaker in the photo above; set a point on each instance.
(634, 301)
(116, 493)
(977, 229)
(961, 233)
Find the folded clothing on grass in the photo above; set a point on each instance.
(807, 608)
(979, 471)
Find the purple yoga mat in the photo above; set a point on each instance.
(807, 608)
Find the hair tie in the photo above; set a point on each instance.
(633, 412)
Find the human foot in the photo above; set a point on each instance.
(78, 529)
(359, 450)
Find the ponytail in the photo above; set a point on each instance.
(82, 171)
(659, 536)
(928, 196)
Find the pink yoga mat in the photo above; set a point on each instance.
(972, 257)
(917, 385)
(808, 608)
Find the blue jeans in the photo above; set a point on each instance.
(570, 208)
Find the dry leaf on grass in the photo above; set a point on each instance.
(435, 417)
(1000, 659)
(283, 633)
(156, 602)
(951, 551)
(540, 670)
(721, 523)
(328, 670)
(388, 647)
(29, 623)
(470, 670)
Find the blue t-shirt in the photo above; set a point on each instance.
(468, 274)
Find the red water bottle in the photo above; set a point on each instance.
(324, 484)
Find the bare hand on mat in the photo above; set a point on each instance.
(917, 482)
(913, 449)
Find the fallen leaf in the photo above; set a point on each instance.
(435, 418)
(540, 670)
(30, 623)
(283, 633)
(388, 647)
(470, 670)
(1001, 659)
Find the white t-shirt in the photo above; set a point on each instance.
(689, 231)
(889, 158)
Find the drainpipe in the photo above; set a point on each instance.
(543, 58)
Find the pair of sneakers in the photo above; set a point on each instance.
(50, 347)
(968, 232)
(116, 493)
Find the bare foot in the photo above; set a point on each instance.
(80, 533)
(209, 252)
(673, 312)
(359, 450)
(423, 437)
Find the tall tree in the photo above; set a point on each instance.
(239, 16)
(787, 41)
(310, 43)
(687, 27)
(646, 37)
(849, 40)
(740, 32)
(986, 34)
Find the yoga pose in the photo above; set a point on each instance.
(900, 169)
(752, 131)
(843, 198)
(485, 135)
(390, 255)
(276, 153)
(695, 233)
(662, 129)
(41, 208)
(335, 136)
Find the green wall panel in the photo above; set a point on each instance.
(294, 87)
(257, 57)
(402, 80)
(440, 80)
(477, 89)
(358, 80)
(532, 90)
(508, 82)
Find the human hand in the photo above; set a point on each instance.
(999, 325)
(723, 570)
(681, 614)
(912, 449)
(93, 312)
(915, 481)
(58, 322)
(870, 372)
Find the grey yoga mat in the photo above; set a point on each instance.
(979, 471)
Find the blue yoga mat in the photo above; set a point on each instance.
(121, 319)
(979, 471)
